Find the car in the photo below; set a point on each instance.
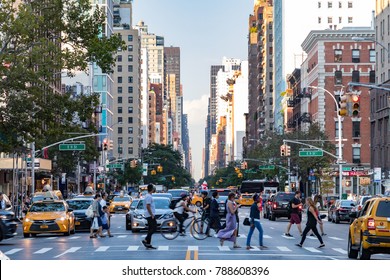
(49, 216)
(135, 218)
(120, 204)
(221, 192)
(369, 233)
(39, 196)
(330, 200)
(133, 206)
(168, 195)
(222, 204)
(341, 210)
(197, 199)
(8, 225)
(245, 199)
(80, 205)
(279, 206)
(359, 205)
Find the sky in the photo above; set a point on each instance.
(206, 31)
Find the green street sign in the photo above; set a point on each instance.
(267, 167)
(347, 168)
(72, 147)
(311, 153)
(114, 165)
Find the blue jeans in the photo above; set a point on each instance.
(251, 230)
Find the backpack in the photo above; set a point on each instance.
(172, 204)
(89, 212)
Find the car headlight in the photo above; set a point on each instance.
(61, 219)
(28, 220)
(127, 205)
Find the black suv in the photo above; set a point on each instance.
(278, 207)
(8, 224)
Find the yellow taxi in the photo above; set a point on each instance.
(369, 233)
(49, 216)
(120, 204)
(197, 199)
(245, 199)
(38, 196)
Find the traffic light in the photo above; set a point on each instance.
(159, 169)
(343, 105)
(283, 150)
(355, 105)
(288, 150)
(111, 145)
(244, 165)
(105, 144)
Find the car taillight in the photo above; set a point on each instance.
(359, 207)
(371, 224)
(300, 207)
(275, 205)
(269, 202)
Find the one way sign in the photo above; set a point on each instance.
(357, 168)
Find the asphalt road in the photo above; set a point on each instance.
(126, 245)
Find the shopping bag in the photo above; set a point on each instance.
(89, 212)
(95, 224)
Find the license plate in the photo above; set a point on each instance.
(44, 226)
(119, 208)
(77, 223)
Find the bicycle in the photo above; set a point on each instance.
(170, 228)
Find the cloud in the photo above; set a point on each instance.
(196, 110)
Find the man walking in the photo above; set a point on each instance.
(150, 212)
(215, 222)
(296, 207)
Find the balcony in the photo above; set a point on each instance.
(305, 93)
(305, 118)
(291, 124)
(290, 102)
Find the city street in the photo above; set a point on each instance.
(127, 246)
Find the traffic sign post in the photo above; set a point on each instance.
(72, 147)
(311, 153)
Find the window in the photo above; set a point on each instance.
(372, 56)
(119, 68)
(130, 110)
(372, 77)
(338, 77)
(270, 114)
(130, 140)
(337, 129)
(119, 119)
(120, 140)
(119, 99)
(356, 76)
(119, 58)
(340, 4)
(119, 89)
(130, 150)
(130, 68)
(338, 55)
(120, 150)
(350, 20)
(355, 129)
(130, 79)
(130, 38)
(130, 99)
(119, 110)
(119, 80)
(356, 56)
(130, 120)
(330, 20)
(129, 58)
(130, 90)
(271, 102)
(319, 5)
(130, 48)
(350, 5)
(319, 19)
(340, 19)
(330, 4)
(130, 130)
(356, 155)
(120, 130)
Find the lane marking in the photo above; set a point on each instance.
(43, 250)
(196, 255)
(163, 248)
(122, 236)
(288, 237)
(283, 248)
(51, 238)
(74, 237)
(102, 249)
(311, 249)
(193, 248)
(335, 238)
(13, 251)
(311, 237)
(188, 255)
(267, 236)
(132, 248)
(342, 251)
(242, 236)
(271, 228)
(71, 250)
(224, 248)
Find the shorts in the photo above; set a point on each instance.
(294, 218)
(105, 226)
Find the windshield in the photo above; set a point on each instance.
(118, 198)
(383, 209)
(285, 196)
(161, 203)
(177, 193)
(79, 204)
(47, 207)
(347, 203)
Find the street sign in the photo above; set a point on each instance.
(347, 168)
(72, 147)
(267, 167)
(357, 168)
(144, 169)
(114, 165)
(311, 153)
(36, 164)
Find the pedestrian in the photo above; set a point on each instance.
(295, 218)
(103, 201)
(150, 212)
(106, 221)
(97, 213)
(215, 221)
(229, 233)
(180, 212)
(312, 220)
(254, 218)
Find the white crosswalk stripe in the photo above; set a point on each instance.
(283, 249)
(13, 251)
(163, 248)
(52, 238)
(132, 248)
(267, 237)
(335, 238)
(71, 250)
(288, 237)
(102, 249)
(43, 250)
(311, 237)
(74, 237)
(312, 249)
(122, 236)
(223, 248)
(242, 236)
(342, 251)
(193, 248)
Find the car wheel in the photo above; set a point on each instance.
(337, 220)
(68, 232)
(128, 225)
(134, 230)
(273, 218)
(352, 253)
(198, 204)
(26, 235)
(363, 254)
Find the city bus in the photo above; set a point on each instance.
(257, 186)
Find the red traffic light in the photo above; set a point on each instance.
(355, 98)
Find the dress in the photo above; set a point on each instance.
(231, 224)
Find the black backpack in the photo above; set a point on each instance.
(172, 204)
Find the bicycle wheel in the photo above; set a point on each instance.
(198, 229)
(170, 229)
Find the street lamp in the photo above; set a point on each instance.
(340, 138)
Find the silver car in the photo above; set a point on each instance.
(135, 218)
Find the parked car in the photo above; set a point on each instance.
(279, 206)
(80, 205)
(135, 219)
(341, 210)
(370, 231)
(359, 205)
(8, 224)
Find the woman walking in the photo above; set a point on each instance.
(229, 233)
(254, 218)
(312, 220)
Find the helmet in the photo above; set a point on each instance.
(183, 195)
(204, 193)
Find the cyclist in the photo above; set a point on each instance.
(181, 210)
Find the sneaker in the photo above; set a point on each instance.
(249, 247)
(145, 243)
(299, 245)
(323, 234)
(263, 247)
(287, 234)
(151, 247)
(235, 246)
(322, 245)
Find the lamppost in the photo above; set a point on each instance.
(340, 150)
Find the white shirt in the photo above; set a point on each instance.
(179, 208)
(103, 203)
(149, 200)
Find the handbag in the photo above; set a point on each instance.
(246, 222)
(89, 212)
(95, 223)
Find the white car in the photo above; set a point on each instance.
(135, 218)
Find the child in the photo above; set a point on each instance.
(106, 221)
